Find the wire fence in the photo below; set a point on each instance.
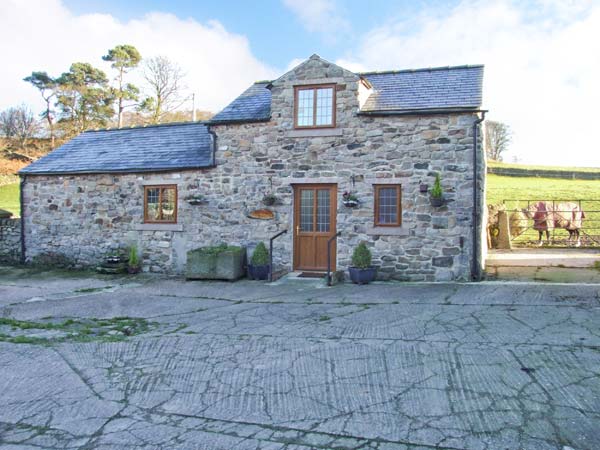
(563, 223)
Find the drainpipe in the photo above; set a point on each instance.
(475, 263)
(22, 204)
(214, 142)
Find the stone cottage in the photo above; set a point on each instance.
(302, 141)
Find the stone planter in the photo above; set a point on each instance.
(362, 276)
(260, 272)
(206, 264)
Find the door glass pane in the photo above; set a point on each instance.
(306, 210)
(168, 204)
(323, 206)
(152, 211)
(388, 205)
(324, 106)
(305, 108)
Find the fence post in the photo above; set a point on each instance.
(503, 231)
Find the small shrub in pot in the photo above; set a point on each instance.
(258, 268)
(436, 195)
(361, 271)
(133, 265)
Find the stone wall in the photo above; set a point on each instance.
(84, 217)
(10, 240)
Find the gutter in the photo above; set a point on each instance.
(419, 112)
(22, 204)
(475, 263)
(236, 121)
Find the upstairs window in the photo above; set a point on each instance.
(160, 204)
(388, 211)
(315, 106)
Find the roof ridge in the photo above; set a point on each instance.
(154, 125)
(423, 69)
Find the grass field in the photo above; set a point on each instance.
(550, 168)
(9, 198)
(515, 191)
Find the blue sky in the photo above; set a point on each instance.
(542, 57)
(273, 29)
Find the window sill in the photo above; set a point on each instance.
(388, 231)
(158, 227)
(314, 132)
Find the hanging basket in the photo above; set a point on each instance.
(350, 203)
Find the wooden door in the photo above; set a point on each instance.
(314, 223)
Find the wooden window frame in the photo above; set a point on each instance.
(377, 188)
(160, 188)
(314, 88)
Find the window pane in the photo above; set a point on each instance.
(388, 205)
(323, 205)
(324, 106)
(168, 204)
(152, 211)
(305, 107)
(306, 210)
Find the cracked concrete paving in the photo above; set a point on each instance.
(295, 365)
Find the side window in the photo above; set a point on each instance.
(388, 205)
(160, 204)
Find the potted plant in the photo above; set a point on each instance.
(361, 271)
(133, 265)
(195, 199)
(436, 195)
(349, 199)
(269, 199)
(258, 269)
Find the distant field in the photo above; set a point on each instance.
(515, 191)
(9, 198)
(551, 168)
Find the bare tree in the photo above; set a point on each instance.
(165, 83)
(497, 139)
(18, 124)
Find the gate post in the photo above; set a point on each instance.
(503, 231)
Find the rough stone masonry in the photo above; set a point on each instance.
(79, 218)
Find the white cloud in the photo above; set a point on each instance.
(541, 75)
(45, 35)
(323, 16)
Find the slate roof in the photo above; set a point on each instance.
(425, 89)
(402, 91)
(253, 105)
(139, 149)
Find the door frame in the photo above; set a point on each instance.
(296, 218)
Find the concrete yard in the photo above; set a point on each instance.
(295, 365)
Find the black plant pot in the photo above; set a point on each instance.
(362, 276)
(269, 200)
(436, 201)
(258, 272)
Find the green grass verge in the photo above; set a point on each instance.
(9, 198)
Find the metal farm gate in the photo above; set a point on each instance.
(523, 234)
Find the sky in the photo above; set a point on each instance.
(541, 57)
